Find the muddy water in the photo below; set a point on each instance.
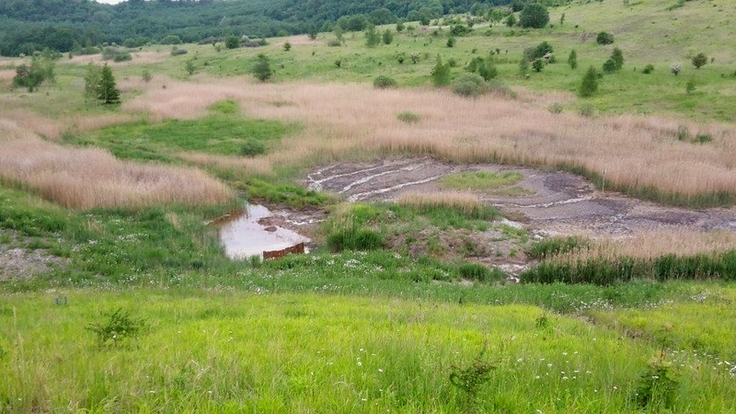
(243, 236)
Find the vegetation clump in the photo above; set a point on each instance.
(384, 82)
(534, 15)
(469, 85)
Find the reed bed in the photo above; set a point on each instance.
(88, 178)
(634, 152)
(467, 203)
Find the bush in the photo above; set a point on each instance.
(609, 66)
(699, 60)
(586, 110)
(648, 69)
(409, 117)
(538, 65)
(252, 148)
(262, 68)
(604, 38)
(122, 57)
(572, 59)
(171, 40)
(676, 68)
(287, 47)
(175, 51)
(470, 85)
(555, 108)
(534, 15)
(232, 42)
(384, 82)
(440, 73)
(540, 51)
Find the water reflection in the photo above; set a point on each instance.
(243, 236)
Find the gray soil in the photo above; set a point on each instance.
(17, 262)
(553, 202)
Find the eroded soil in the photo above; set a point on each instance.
(557, 203)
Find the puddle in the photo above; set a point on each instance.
(243, 236)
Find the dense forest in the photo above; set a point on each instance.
(64, 25)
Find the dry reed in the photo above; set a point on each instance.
(634, 151)
(656, 244)
(465, 202)
(87, 178)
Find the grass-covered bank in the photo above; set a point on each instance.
(224, 351)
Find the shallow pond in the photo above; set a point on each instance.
(243, 236)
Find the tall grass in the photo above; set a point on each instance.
(639, 155)
(88, 178)
(467, 204)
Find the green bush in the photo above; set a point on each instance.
(604, 38)
(171, 40)
(589, 85)
(469, 85)
(252, 148)
(232, 42)
(555, 108)
(409, 117)
(384, 82)
(355, 239)
(117, 327)
(648, 69)
(534, 15)
(122, 57)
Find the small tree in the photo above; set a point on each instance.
(400, 26)
(618, 58)
(387, 37)
(511, 20)
(590, 83)
(534, 15)
(262, 68)
(441, 73)
(572, 60)
(287, 47)
(676, 68)
(189, 67)
(451, 42)
(523, 66)
(372, 38)
(92, 80)
(107, 90)
(690, 86)
(700, 60)
(538, 65)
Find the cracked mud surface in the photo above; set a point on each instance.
(555, 203)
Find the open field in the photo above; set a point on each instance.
(225, 351)
(527, 250)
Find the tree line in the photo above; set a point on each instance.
(27, 26)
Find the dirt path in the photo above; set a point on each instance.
(556, 203)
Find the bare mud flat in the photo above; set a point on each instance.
(552, 202)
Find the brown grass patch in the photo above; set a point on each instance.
(7, 74)
(87, 178)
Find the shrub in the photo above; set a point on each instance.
(555, 108)
(690, 86)
(122, 57)
(334, 43)
(409, 117)
(538, 65)
(534, 15)
(387, 37)
(510, 20)
(146, 76)
(171, 40)
(252, 148)
(648, 69)
(618, 58)
(589, 85)
(470, 85)
(604, 38)
(232, 42)
(287, 47)
(703, 139)
(699, 60)
(175, 51)
(384, 82)
(609, 66)
(586, 110)
(451, 42)
(540, 51)
(657, 387)
(117, 327)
